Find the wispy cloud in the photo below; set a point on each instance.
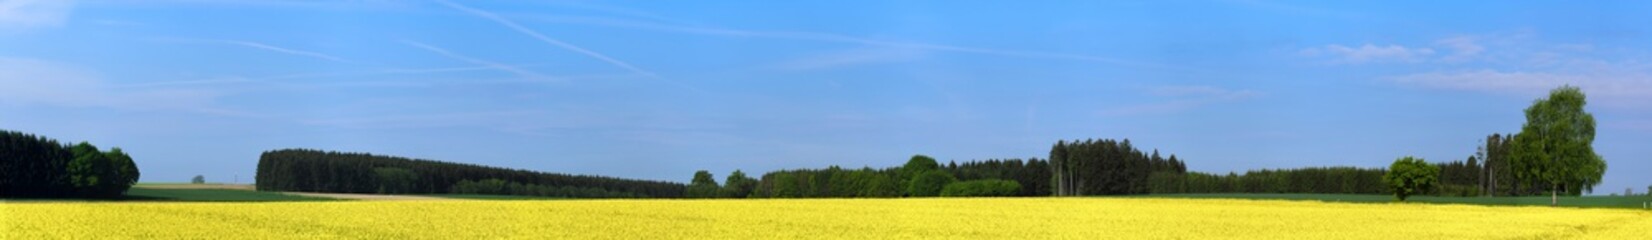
(541, 37)
(36, 82)
(1620, 88)
(1458, 49)
(839, 38)
(1520, 64)
(26, 14)
(455, 119)
(262, 46)
(302, 4)
(1369, 53)
(1182, 98)
(491, 64)
(288, 51)
(361, 78)
(847, 58)
(1463, 48)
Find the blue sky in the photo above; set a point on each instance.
(659, 89)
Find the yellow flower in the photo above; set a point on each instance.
(951, 218)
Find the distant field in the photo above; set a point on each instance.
(242, 193)
(944, 218)
(248, 187)
(212, 195)
(190, 193)
(1586, 201)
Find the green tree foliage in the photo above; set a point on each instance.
(738, 185)
(1411, 176)
(126, 171)
(879, 185)
(982, 188)
(1459, 178)
(319, 171)
(396, 180)
(835, 181)
(33, 167)
(1332, 180)
(1555, 145)
(90, 171)
(929, 184)
(502, 187)
(702, 186)
(1106, 167)
(1033, 174)
(919, 164)
(832, 181)
(198, 179)
(1498, 175)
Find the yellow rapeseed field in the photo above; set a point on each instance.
(981, 218)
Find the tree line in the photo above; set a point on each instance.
(1553, 153)
(501, 187)
(1032, 174)
(1086, 167)
(305, 170)
(1106, 167)
(38, 167)
(921, 176)
(1329, 180)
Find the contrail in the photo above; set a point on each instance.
(449, 54)
(288, 51)
(541, 37)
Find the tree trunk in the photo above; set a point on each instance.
(1554, 196)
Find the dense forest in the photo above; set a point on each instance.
(1115, 167)
(1106, 167)
(921, 176)
(1338, 180)
(39, 167)
(320, 171)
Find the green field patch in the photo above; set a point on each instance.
(212, 195)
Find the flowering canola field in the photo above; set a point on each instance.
(976, 218)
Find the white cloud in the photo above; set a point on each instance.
(1463, 48)
(1520, 64)
(1453, 50)
(25, 14)
(1621, 87)
(1369, 53)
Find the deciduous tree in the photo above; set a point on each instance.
(1410, 176)
(1555, 145)
(929, 184)
(738, 185)
(702, 186)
